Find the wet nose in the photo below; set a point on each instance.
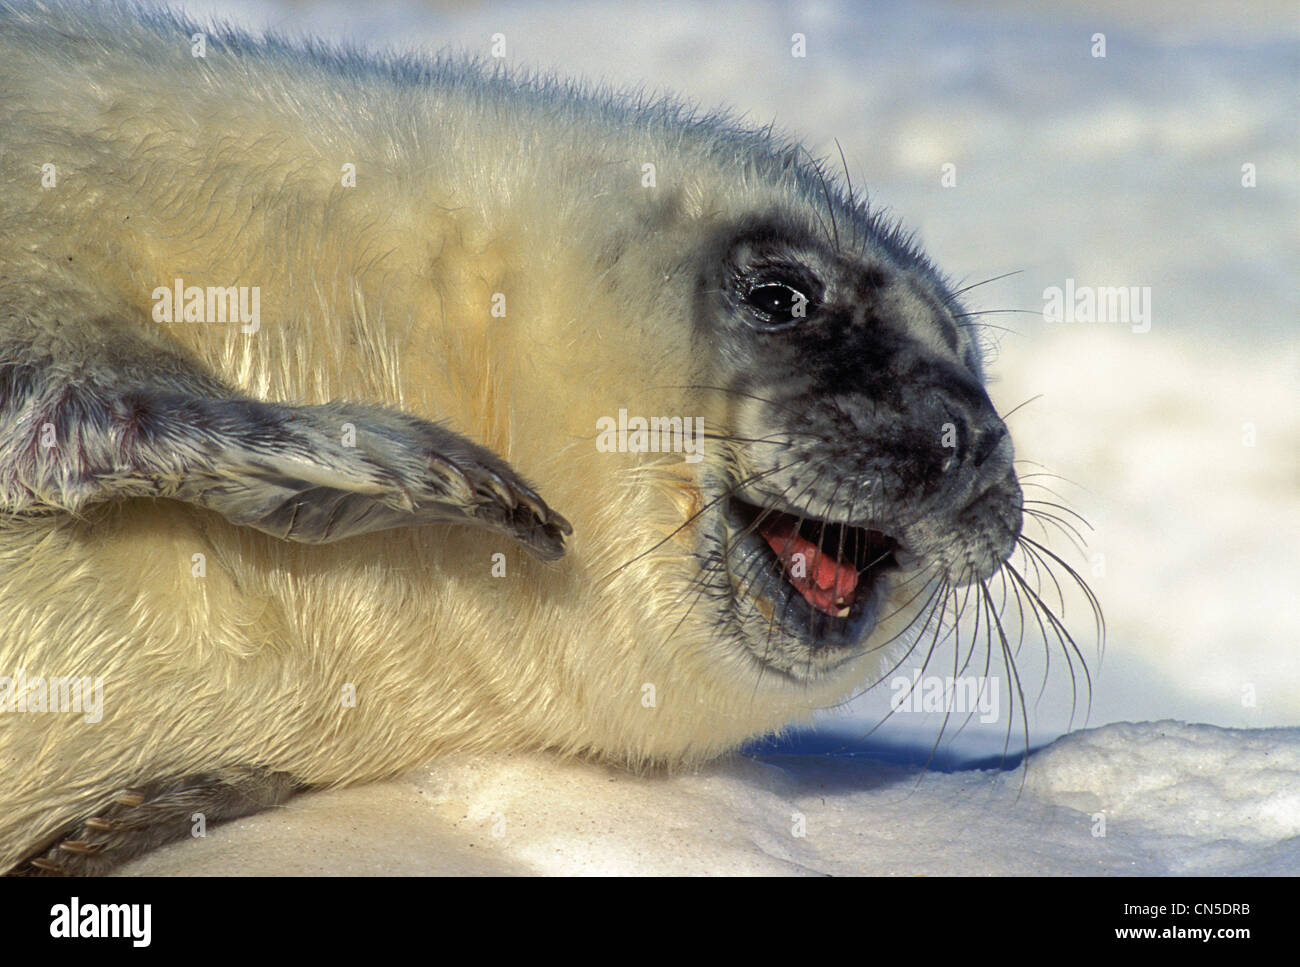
(979, 431)
(986, 440)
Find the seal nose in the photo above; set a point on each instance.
(981, 451)
(977, 438)
(987, 439)
(971, 412)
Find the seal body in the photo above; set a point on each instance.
(368, 518)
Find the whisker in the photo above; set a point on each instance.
(976, 285)
(694, 517)
(994, 312)
(1009, 665)
(1061, 507)
(1013, 409)
(1099, 619)
(1071, 532)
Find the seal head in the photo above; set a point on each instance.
(867, 470)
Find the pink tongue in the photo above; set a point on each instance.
(825, 581)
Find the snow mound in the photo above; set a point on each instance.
(1177, 779)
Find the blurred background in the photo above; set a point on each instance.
(1179, 444)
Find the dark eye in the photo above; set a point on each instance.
(779, 302)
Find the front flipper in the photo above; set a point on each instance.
(301, 473)
(322, 473)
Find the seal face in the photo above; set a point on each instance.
(869, 469)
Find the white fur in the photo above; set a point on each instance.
(467, 185)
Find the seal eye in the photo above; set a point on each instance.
(778, 302)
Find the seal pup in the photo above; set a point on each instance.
(350, 416)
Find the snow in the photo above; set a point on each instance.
(1152, 798)
(1179, 445)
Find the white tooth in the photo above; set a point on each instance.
(843, 614)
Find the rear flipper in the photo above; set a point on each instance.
(302, 473)
(135, 821)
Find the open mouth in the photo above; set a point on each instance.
(821, 580)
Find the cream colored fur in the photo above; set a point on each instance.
(226, 171)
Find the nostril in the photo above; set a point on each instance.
(957, 440)
(987, 441)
